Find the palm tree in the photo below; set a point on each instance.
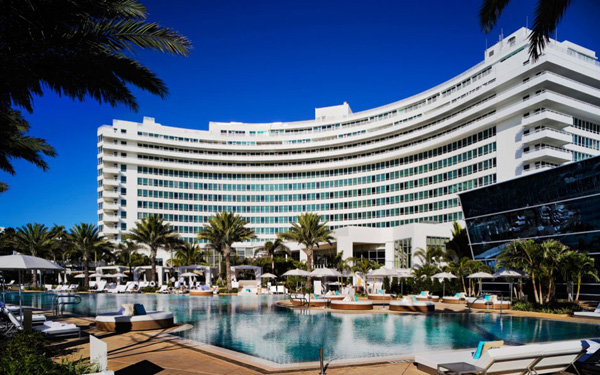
(523, 255)
(75, 48)
(34, 239)
(553, 253)
(458, 246)
(309, 232)
(85, 241)
(189, 254)
(153, 232)
(16, 144)
(433, 255)
(222, 231)
(575, 266)
(461, 269)
(272, 248)
(547, 16)
(127, 254)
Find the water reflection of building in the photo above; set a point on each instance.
(561, 203)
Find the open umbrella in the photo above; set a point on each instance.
(267, 276)
(383, 272)
(325, 272)
(296, 272)
(19, 262)
(443, 276)
(403, 273)
(96, 275)
(480, 276)
(79, 276)
(511, 275)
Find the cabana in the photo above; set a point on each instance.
(107, 270)
(200, 269)
(246, 286)
(143, 273)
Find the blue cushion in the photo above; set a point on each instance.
(138, 309)
(355, 298)
(487, 298)
(380, 292)
(415, 297)
(477, 354)
(337, 293)
(422, 293)
(457, 295)
(315, 295)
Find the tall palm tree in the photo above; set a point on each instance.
(76, 48)
(461, 269)
(584, 266)
(34, 239)
(16, 144)
(222, 231)
(189, 254)
(548, 14)
(523, 255)
(153, 232)
(553, 253)
(309, 232)
(458, 246)
(127, 254)
(272, 248)
(85, 241)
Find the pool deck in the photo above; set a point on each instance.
(159, 352)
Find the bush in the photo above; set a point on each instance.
(28, 353)
(149, 289)
(554, 308)
(34, 288)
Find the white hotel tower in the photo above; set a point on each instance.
(386, 179)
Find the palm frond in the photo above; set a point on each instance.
(489, 13)
(548, 14)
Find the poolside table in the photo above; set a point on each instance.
(460, 368)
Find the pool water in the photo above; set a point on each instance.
(254, 325)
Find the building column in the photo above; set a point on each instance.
(389, 254)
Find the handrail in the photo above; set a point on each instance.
(58, 303)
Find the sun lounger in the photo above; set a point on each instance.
(589, 314)
(425, 296)
(134, 318)
(548, 358)
(56, 329)
(117, 289)
(488, 303)
(589, 363)
(132, 287)
(351, 303)
(406, 304)
(458, 298)
(100, 285)
(73, 287)
(163, 289)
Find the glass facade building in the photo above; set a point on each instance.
(562, 203)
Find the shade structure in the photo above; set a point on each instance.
(188, 274)
(325, 272)
(480, 275)
(383, 272)
(79, 276)
(268, 276)
(296, 272)
(511, 275)
(96, 275)
(20, 262)
(26, 262)
(404, 273)
(443, 276)
(114, 275)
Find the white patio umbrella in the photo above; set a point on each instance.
(79, 276)
(325, 272)
(96, 274)
(443, 276)
(511, 275)
(296, 272)
(20, 263)
(190, 275)
(383, 272)
(480, 276)
(267, 276)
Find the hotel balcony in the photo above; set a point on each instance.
(110, 207)
(110, 230)
(547, 153)
(547, 136)
(547, 118)
(110, 171)
(110, 182)
(110, 194)
(110, 219)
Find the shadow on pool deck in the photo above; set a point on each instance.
(144, 367)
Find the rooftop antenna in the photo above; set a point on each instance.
(527, 22)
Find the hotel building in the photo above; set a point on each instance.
(386, 179)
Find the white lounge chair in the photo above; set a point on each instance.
(163, 289)
(547, 358)
(100, 285)
(55, 329)
(132, 287)
(117, 289)
(589, 314)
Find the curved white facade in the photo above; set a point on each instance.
(386, 167)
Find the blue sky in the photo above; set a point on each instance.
(264, 61)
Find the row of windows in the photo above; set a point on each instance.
(423, 168)
(465, 142)
(323, 207)
(471, 140)
(465, 171)
(586, 125)
(594, 144)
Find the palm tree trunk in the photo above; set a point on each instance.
(578, 287)
(34, 276)
(273, 265)
(153, 260)
(535, 293)
(463, 284)
(227, 268)
(309, 254)
(86, 275)
(220, 278)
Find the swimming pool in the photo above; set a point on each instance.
(256, 326)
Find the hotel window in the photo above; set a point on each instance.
(123, 131)
(123, 226)
(123, 202)
(123, 215)
(123, 179)
(123, 168)
(123, 191)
